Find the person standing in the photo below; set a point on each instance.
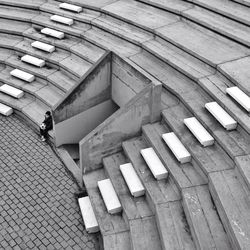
(46, 125)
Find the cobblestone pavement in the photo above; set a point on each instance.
(38, 209)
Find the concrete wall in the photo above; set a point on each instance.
(94, 88)
(123, 124)
(72, 130)
(126, 81)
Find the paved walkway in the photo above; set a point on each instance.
(38, 209)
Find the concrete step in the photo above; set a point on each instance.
(88, 215)
(132, 180)
(30, 4)
(5, 110)
(230, 9)
(70, 7)
(244, 2)
(163, 197)
(61, 19)
(111, 42)
(22, 75)
(43, 46)
(233, 204)
(188, 175)
(242, 163)
(154, 163)
(199, 131)
(225, 26)
(206, 227)
(178, 59)
(221, 115)
(9, 90)
(239, 96)
(177, 148)
(8, 41)
(33, 60)
(112, 227)
(13, 27)
(136, 212)
(210, 159)
(140, 14)
(157, 192)
(53, 33)
(109, 196)
(206, 46)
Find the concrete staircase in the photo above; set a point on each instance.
(196, 49)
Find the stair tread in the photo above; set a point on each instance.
(242, 163)
(118, 241)
(233, 205)
(158, 191)
(185, 176)
(24, 4)
(8, 40)
(111, 42)
(13, 27)
(227, 8)
(212, 49)
(207, 229)
(210, 158)
(220, 24)
(245, 2)
(141, 14)
(109, 224)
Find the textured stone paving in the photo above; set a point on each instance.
(38, 209)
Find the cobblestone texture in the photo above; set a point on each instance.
(38, 209)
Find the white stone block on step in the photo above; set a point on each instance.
(53, 33)
(43, 46)
(131, 178)
(5, 110)
(33, 60)
(22, 75)
(14, 92)
(88, 215)
(239, 96)
(154, 163)
(61, 19)
(178, 149)
(70, 7)
(109, 196)
(199, 131)
(221, 115)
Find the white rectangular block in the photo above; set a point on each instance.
(33, 60)
(53, 33)
(70, 7)
(88, 215)
(178, 149)
(7, 89)
(199, 131)
(5, 110)
(43, 46)
(221, 115)
(240, 97)
(134, 184)
(22, 75)
(154, 163)
(61, 19)
(109, 196)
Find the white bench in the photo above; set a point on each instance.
(88, 215)
(134, 184)
(221, 115)
(7, 89)
(22, 75)
(33, 60)
(61, 19)
(239, 96)
(199, 131)
(5, 110)
(154, 163)
(43, 46)
(70, 7)
(109, 196)
(178, 149)
(53, 33)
